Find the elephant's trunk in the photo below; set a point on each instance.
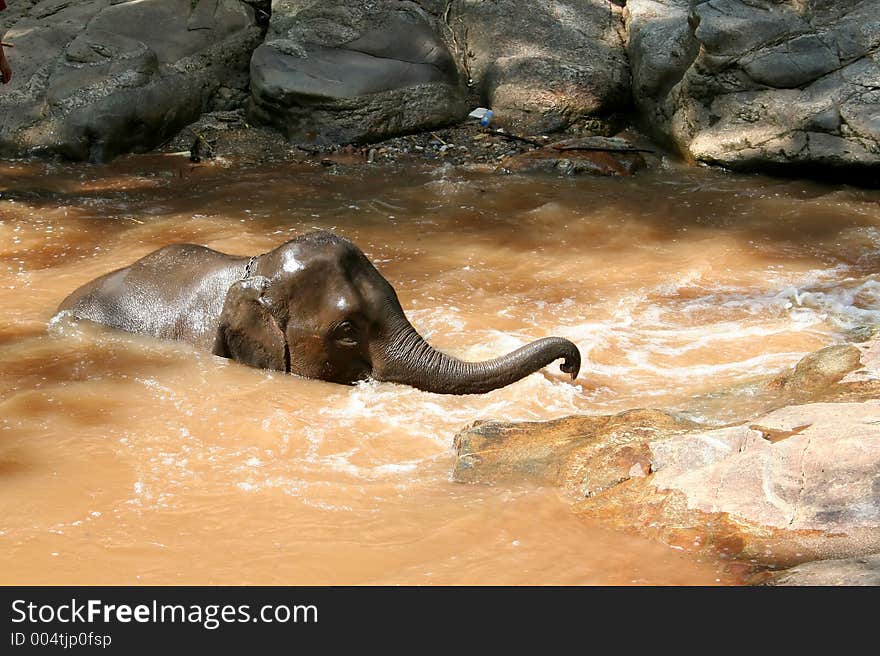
(407, 358)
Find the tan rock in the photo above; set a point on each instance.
(583, 452)
(840, 373)
(618, 451)
(824, 368)
(798, 483)
(747, 492)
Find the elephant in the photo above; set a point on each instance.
(314, 306)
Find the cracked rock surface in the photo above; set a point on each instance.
(96, 78)
(760, 84)
(810, 467)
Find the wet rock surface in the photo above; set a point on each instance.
(794, 484)
(835, 374)
(808, 471)
(592, 156)
(760, 84)
(231, 136)
(98, 78)
(553, 453)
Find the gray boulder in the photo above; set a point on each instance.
(863, 571)
(768, 83)
(661, 47)
(335, 71)
(544, 64)
(15, 12)
(97, 78)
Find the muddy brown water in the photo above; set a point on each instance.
(129, 460)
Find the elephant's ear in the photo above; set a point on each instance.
(248, 332)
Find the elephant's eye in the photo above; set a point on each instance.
(346, 334)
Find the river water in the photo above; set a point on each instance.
(129, 460)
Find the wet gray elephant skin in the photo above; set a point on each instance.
(315, 306)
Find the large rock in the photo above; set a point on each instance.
(335, 71)
(661, 48)
(839, 373)
(763, 84)
(565, 452)
(798, 483)
(15, 12)
(542, 65)
(97, 78)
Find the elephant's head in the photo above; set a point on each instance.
(315, 306)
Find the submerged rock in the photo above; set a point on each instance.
(98, 78)
(864, 570)
(201, 149)
(839, 373)
(761, 84)
(591, 155)
(557, 452)
(337, 72)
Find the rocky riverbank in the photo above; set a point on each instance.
(229, 135)
(793, 484)
(764, 85)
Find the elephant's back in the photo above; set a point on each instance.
(175, 292)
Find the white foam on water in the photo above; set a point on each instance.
(660, 323)
(64, 324)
